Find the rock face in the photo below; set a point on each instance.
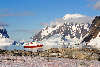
(3, 32)
(66, 31)
(73, 53)
(93, 37)
(72, 25)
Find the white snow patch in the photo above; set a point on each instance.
(95, 42)
(4, 42)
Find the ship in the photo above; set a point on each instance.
(33, 45)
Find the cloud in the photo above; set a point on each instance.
(23, 30)
(78, 18)
(4, 10)
(7, 12)
(57, 21)
(97, 5)
(26, 31)
(3, 24)
(44, 24)
(23, 34)
(17, 14)
(93, 0)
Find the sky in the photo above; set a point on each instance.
(24, 17)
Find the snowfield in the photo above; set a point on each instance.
(13, 61)
(95, 42)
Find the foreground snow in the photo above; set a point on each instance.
(44, 62)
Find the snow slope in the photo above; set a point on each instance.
(69, 30)
(93, 37)
(95, 42)
(4, 38)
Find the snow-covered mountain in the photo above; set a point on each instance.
(4, 38)
(93, 37)
(3, 32)
(71, 29)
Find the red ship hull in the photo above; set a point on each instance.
(33, 46)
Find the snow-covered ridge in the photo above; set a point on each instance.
(93, 37)
(65, 32)
(75, 27)
(95, 42)
(4, 38)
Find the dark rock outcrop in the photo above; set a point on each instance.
(94, 30)
(4, 33)
(71, 53)
(66, 30)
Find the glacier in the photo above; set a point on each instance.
(5, 42)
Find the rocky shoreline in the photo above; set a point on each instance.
(71, 53)
(54, 57)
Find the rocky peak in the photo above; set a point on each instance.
(66, 29)
(94, 30)
(72, 25)
(3, 32)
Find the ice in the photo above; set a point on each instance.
(22, 61)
